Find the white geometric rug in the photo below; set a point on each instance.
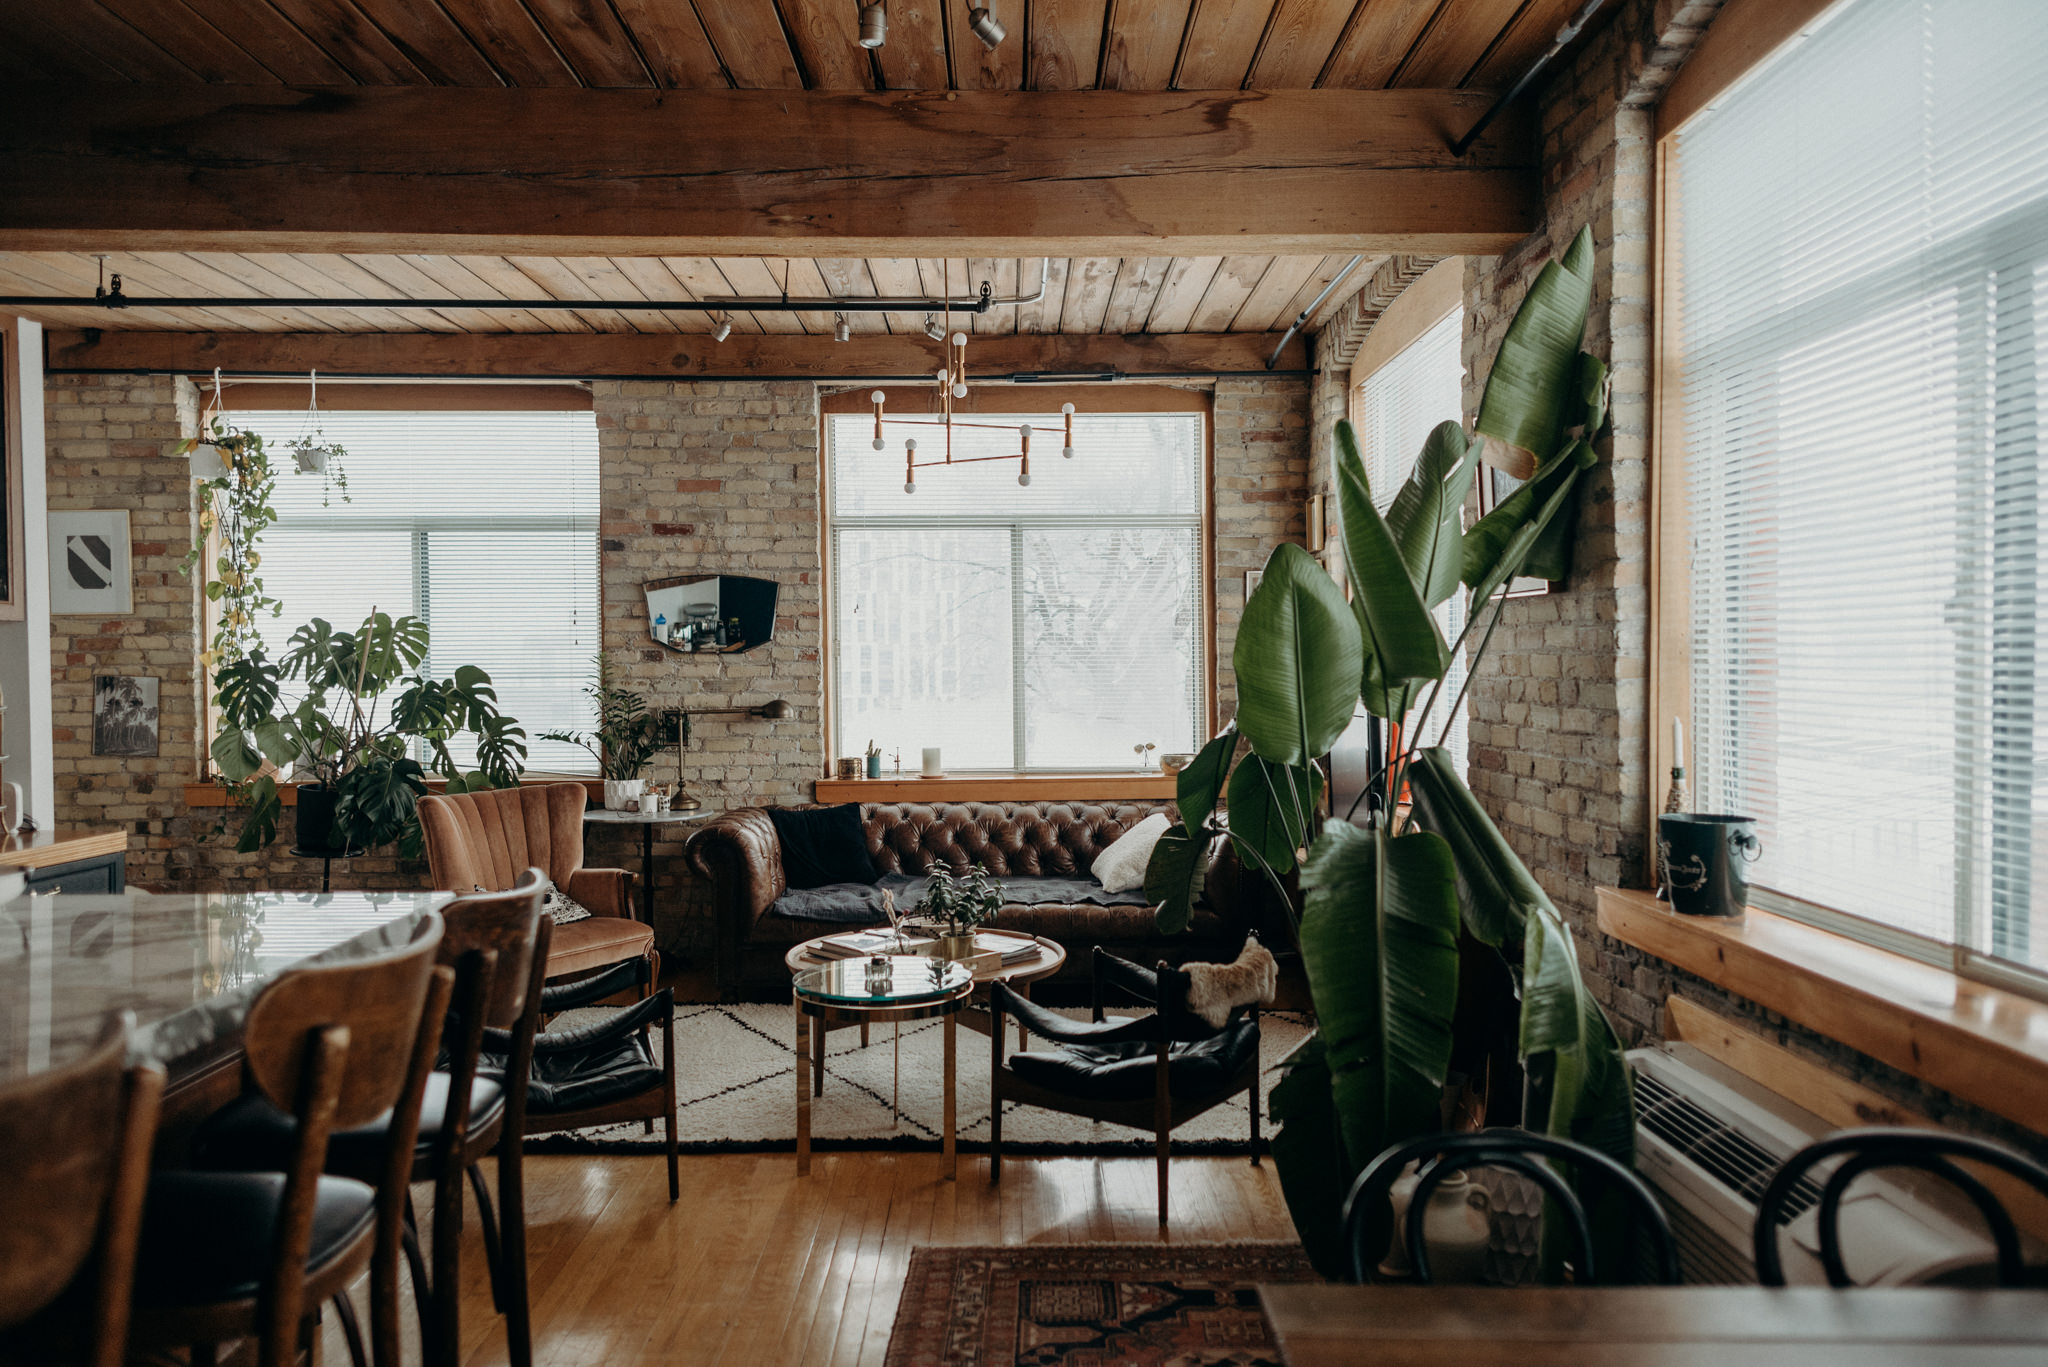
(736, 1091)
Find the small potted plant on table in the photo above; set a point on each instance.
(954, 905)
(626, 738)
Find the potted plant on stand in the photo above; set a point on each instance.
(953, 906)
(353, 747)
(1423, 936)
(626, 738)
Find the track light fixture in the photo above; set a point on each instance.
(874, 24)
(723, 330)
(986, 27)
(933, 328)
(841, 329)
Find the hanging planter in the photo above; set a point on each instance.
(208, 461)
(311, 460)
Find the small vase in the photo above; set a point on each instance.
(623, 794)
(1456, 1229)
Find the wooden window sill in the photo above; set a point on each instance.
(1000, 788)
(1975, 1041)
(213, 795)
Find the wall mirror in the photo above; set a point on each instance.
(719, 614)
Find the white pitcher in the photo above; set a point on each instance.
(1456, 1229)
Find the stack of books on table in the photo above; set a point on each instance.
(862, 944)
(1010, 949)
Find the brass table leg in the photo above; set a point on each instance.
(803, 1093)
(951, 1158)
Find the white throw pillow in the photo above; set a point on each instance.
(1121, 867)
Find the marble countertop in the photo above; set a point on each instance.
(639, 818)
(187, 965)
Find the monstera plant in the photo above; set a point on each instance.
(355, 748)
(1418, 898)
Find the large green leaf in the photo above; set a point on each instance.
(1495, 890)
(1499, 546)
(1523, 411)
(1427, 515)
(237, 759)
(1400, 638)
(1196, 788)
(1297, 660)
(1273, 808)
(1173, 877)
(1308, 1150)
(265, 808)
(1379, 940)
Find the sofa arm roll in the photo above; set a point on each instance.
(737, 852)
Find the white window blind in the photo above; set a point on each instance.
(1861, 233)
(1049, 627)
(484, 524)
(1418, 387)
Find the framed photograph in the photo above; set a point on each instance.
(1494, 486)
(1251, 581)
(124, 715)
(89, 565)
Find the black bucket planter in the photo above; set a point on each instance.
(317, 834)
(1704, 859)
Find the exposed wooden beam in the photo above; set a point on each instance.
(529, 355)
(696, 173)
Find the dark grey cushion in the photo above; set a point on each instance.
(854, 904)
(1024, 892)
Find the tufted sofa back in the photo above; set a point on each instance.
(1009, 839)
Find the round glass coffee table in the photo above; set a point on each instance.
(915, 988)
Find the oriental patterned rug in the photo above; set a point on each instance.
(1091, 1305)
(736, 1092)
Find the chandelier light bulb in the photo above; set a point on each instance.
(874, 25)
(1025, 479)
(986, 27)
(959, 339)
(959, 391)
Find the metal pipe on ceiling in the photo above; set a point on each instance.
(1573, 27)
(1301, 319)
(115, 298)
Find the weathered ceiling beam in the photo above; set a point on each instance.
(695, 173)
(619, 355)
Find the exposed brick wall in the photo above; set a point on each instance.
(1261, 449)
(695, 477)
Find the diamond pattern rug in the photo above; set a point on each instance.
(736, 1092)
(1091, 1305)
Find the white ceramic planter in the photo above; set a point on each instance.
(311, 459)
(623, 794)
(207, 461)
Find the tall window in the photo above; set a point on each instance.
(1396, 405)
(1861, 237)
(1051, 627)
(484, 524)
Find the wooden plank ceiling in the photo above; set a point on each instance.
(745, 44)
(1082, 294)
(784, 44)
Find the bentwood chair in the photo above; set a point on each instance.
(1868, 1150)
(496, 945)
(1153, 1072)
(230, 1255)
(74, 1161)
(485, 842)
(1366, 1211)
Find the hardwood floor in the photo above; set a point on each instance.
(755, 1267)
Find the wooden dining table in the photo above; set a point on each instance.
(184, 966)
(1654, 1326)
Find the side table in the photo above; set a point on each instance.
(602, 816)
(918, 987)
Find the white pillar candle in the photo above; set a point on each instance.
(1677, 743)
(931, 762)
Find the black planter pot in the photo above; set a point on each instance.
(1704, 859)
(316, 819)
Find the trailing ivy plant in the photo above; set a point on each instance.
(1411, 901)
(235, 505)
(367, 705)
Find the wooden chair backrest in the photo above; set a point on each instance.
(377, 1001)
(506, 924)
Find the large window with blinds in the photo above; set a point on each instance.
(484, 524)
(1394, 407)
(1857, 256)
(1050, 627)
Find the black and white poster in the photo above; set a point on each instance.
(89, 566)
(124, 715)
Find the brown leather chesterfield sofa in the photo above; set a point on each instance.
(738, 854)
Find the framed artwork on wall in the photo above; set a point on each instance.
(1495, 485)
(89, 563)
(124, 715)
